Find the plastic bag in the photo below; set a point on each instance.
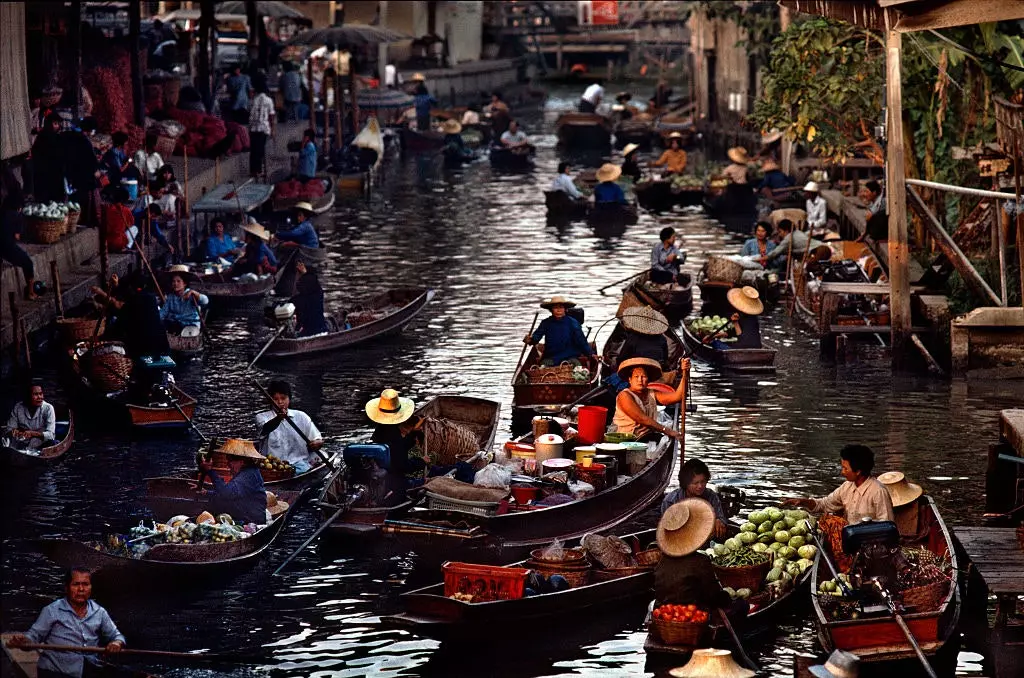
(493, 475)
(580, 489)
(554, 551)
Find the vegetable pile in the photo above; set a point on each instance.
(703, 327)
(681, 613)
(686, 181)
(51, 211)
(181, 529)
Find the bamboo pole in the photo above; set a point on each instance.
(58, 297)
(24, 338)
(312, 96)
(1000, 238)
(104, 258)
(1020, 221)
(338, 107)
(896, 191)
(187, 212)
(12, 301)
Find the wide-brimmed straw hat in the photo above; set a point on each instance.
(675, 135)
(274, 505)
(840, 664)
(684, 528)
(257, 230)
(629, 149)
(303, 206)
(645, 320)
(178, 270)
(557, 300)
(451, 127)
(811, 187)
(389, 408)
(738, 154)
(900, 489)
(711, 663)
(609, 172)
(418, 77)
(745, 300)
(236, 447)
(650, 366)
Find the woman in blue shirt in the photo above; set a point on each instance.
(307, 156)
(243, 497)
(423, 102)
(563, 337)
(304, 232)
(607, 191)
(760, 245)
(181, 305)
(221, 245)
(257, 258)
(116, 160)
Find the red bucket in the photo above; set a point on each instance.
(592, 422)
(525, 493)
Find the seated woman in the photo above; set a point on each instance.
(243, 497)
(453, 142)
(693, 484)
(181, 307)
(309, 303)
(904, 495)
(684, 576)
(563, 336)
(607, 192)
(630, 165)
(674, 157)
(744, 330)
(760, 245)
(256, 259)
(636, 407)
(221, 245)
(32, 424)
(396, 427)
(304, 234)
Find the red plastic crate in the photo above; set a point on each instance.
(484, 582)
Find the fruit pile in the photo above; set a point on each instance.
(690, 614)
(272, 463)
(923, 568)
(686, 181)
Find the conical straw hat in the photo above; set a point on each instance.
(711, 663)
(257, 230)
(274, 505)
(236, 447)
(645, 320)
(557, 300)
(900, 490)
(683, 528)
(745, 300)
(609, 172)
(652, 368)
(451, 127)
(738, 154)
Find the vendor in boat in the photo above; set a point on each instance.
(693, 484)
(817, 209)
(32, 424)
(607, 192)
(904, 495)
(181, 307)
(665, 258)
(396, 427)
(453, 141)
(257, 259)
(304, 233)
(243, 497)
(744, 329)
(309, 303)
(774, 179)
(74, 620)
(861, 497)
(564, 182)
(499, 113)
(736, 171)
(645, 335)
(761, 245)
(423, 103)
(515, 139)
(684, 576)
(306, 168)
(791, 242)
(220, 244)
(876, 217)
(591, 98)
(636, 407)
(623, 108)
(674, 157)
(563, 337)
(279, 439)
(630, 163)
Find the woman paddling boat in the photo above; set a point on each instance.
(636, 407)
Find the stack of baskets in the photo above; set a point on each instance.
(107, 366)
(75, 330)
(744, 577)
(45, 231)
(573, 565)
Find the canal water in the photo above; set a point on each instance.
(482, 241)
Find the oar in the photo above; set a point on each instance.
(619, 282)
(585, 397)
(715, 333)
(190, 422)
(320, 453)
(828, 561)
(145, 260)
(327, 523)
(903, 627)
(736, 641)
(267, 345)
(522, 353)
(148, 653)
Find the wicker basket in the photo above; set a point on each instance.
(726, 270)
(679, 633)
(572, 556)
(550, 375)
(927, 597)
(72, 222)
(165, 145)
(648, 557)
(619, 572)
(107, 369)
(75, 330)
(575, 577)
(46, 231)
(746, 577)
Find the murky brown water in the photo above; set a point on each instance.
(482, 241)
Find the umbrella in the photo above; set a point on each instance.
(347, 36)
(269, 8)
(382, 99)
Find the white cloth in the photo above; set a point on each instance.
(284, 443)
(593, 94)
(148, 163)
(44, 419)
(514, 139)
(817, 212)
(260, 113)
(563, 182)
(167, 203)
(871, 500)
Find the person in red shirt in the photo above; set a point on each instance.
(117, 219)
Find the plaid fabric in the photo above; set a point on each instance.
(260, 113)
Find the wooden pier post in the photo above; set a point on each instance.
(58, 296)
(896, 195)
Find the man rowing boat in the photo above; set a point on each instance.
(243, 497)
(279, 439)
(75, 619)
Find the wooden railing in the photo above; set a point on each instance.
(1009, 126)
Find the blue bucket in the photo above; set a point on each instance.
(132, 186)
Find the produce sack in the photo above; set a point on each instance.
(445, 442)
(494, 476)
(610, 551)
(455, 489)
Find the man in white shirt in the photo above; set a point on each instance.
(591, 98)
(513, 137)
(861, 497)
(817, 209)
(564, 183)
(261, 127)
(278, 438)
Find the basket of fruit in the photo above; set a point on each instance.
(679, 624)
(272, 468)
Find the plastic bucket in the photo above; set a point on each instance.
(525, 493)
(584, 451)
(553, 465)
(132, 186)
(611, 467)
(548, 446)
(592, 420)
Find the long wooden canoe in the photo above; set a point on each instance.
(414, 141)
(528, 393)
(50, 454)
(561, 206)
(505, 159)
(478, 414)
(879, 638)
(655, 195)
(25, 662)
(607, 215)
(584, 131)
(391, 311)
(744, 360)
(162, 416)
(675, 301)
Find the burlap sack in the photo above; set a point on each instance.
(456, 489)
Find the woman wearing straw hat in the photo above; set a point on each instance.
(257, 259)
(563, 337)
(645, 335)
(684, 576)
(904, 495)
(607, 192)
(396, 427)
(744, 329)
(736, 172)
(630, 165)
(423, 103)
(674, 157)
(243, 497)
(636, 407)
(182, 304)
(454, 144)
(304, 233)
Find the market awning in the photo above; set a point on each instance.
(383, 99)
(267, 8)
(15, 136)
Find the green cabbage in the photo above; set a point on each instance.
(782, 537)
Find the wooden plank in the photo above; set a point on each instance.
(1011, 429)
(959, 13)
(869, 329)
(896, 200)
(862, 288)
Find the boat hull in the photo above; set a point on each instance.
(744, 360)
(15, 459)
(584, 131)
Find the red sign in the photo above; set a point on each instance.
(605, 12)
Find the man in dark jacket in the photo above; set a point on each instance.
(82, 169)
(48, 163)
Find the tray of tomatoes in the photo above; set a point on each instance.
(679, 624)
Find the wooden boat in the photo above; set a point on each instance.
(611, 214)
(351, 182)
(186, 348)
(744, 360)
(505, 159)
(170, 562)
(161, 416)
(561, 206)
(878, 638)
(426, 611)
(478, 414)
(385, 313)
(675, 301)
(528, 395)
(613, 347)
(634, 131)
(24, 662)
(416, 142)
(584, 131)
(224, 291)
(65, 437)
(320, 205)
(655, 195)
(436, 536)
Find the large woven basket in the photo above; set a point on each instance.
(927, 597)
(75, 330)
(619, 572)
(575, 577)
(46, 231)
(447, 442)
(746, 577)
(725, 270)
(72, 222)
(165, 145)
(550, 375)
(678, 633)
(106, 367)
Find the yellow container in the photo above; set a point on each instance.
(584, 451)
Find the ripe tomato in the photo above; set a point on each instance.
(691, 607)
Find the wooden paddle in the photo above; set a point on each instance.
(736, 641)
(522, 353)
(320, 453)
(263, 350)
(619, 282)
(891, 604)
(327, 523)
(127, 651)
